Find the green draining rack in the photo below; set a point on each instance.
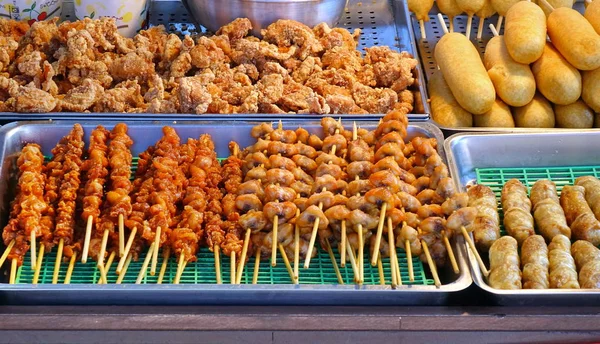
(495, 178)
(202, 271)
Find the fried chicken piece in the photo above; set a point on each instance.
(336, 37)
(193, 95)
(374, 100)
(125, 97)
(131, 67)
(13, 29)
(270, 88)
(81, 98)
(182, 63)
(207, 54)
(287, 33)
(392, 69)
(26, 98)
(237, 29)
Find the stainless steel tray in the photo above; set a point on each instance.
(382, 22)
(469, 151)
(435, 32)
(14, 135)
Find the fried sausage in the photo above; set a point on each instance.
(584, 252)
(591, 88)
(518, 221)
(534, 259)
(547, 212)
(592, 192)
(513, 81)
(563, 274)
(589, 276)
(556, 78)
(525, 32)
(576, 115)
(504, 264)
(575, 38)
(499, 116)
(486, 228)
(537, 114)
(465, 74)
(580, 218)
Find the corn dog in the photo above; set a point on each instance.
(576, 115)
(470, 7)
(592, 14)
(445, 110)
(537, 114)
(591, 88)
(556, 78)
(525, 32)
(499, 116)
(449, 8)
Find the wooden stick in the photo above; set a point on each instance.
(380, 270)
(127, 249)
(121, 236)
(394, 265)
(156, 248)
(163, 267)
(36, 273)
(443, 23)
(361, 249)
(33, 251)
(70, 268)
(13, 271)
(547, 4)
(180, 267)
(256, 267)
(103, 249)
(102, 270)
(450, 253)
(335, 266)
(217, 253)
(297, 249)
(379, 234)
(423, 32)
(353, 262)
(480, 28)
(499, 25)
(232, 274)
(124, 269)
(343, 246)
(145, 265)
(431, 264)
(104, 279)
(59, 253)
(494, 31)
(451, 20)
(467, 237)
(240, 269)
(274, 241)
(313, 237)
(411, 272)
(6, 252)
(286, 261)
(469, 25)
(88, 237)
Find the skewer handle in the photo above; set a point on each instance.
(70, 268)
(480, 28)
(379, 234)
(217, 252)
(144, 268)
(156, 248)
(232, 274)
(499, 25)
(242, 263)
(333, 261)
(163, 268)
(6, 252)
(450, 254)
(36, 274)
(13, 271)
(33, 251)
(59, 253)
(88, 237)
(286, 261)
(127, 249)
(408, 250)
(256, 267)
(431, 264)
(274, 241)
(469, 26)
(423, 32)
(343, 246)
(121, 236)
(467, 237)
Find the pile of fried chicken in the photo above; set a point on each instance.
(87, 66)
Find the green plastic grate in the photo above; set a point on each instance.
(202, 271)
(495, 178)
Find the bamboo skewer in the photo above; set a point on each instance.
(394, 265)
(343, 246)
(450, 253)
(142, 273)
(411, 272)
(422, 27)
(6, 252)
(233, 275)
(274, 241)
(103, 249)
(430, 262)
(379, 234)
(121, 236)
(256, 267)
(70, 268)
(33, 251)
(13, 271)
(286, 261)
(361, 249)
(40, 257)
(297, 249)
(353, 262)
(104, 279)
(163, 267)
(217, 253)
(467, 237)
(88, 237)
(102, 270)
(127, 249)
(241, 265)
(59, 253)
(156, 248)
(180, 267)
(499, 24)
(335, 266)
(124, 269)
(380, 270)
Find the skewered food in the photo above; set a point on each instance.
(592, 14)
(576, 115)
(449, 8)
(504, 264)
(562, 270)
(534, 259)
(556, 78)
(525, 32)
(498, 116)
(537, 114)
(590, 88)
(445, 109)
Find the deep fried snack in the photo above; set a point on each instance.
(486, 228)
(580, 218)
(563, 274)
(504, 264)
(534, 259)
(591, 185)
(549, 215)
(517, 210)
(584, 252)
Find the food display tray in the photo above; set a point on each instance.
(434, 32)
(382, 22)
(319, 283)
(493, 159)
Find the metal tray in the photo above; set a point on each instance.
(14, 135)
(435, 32)
(569, 149)
(382, 22)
